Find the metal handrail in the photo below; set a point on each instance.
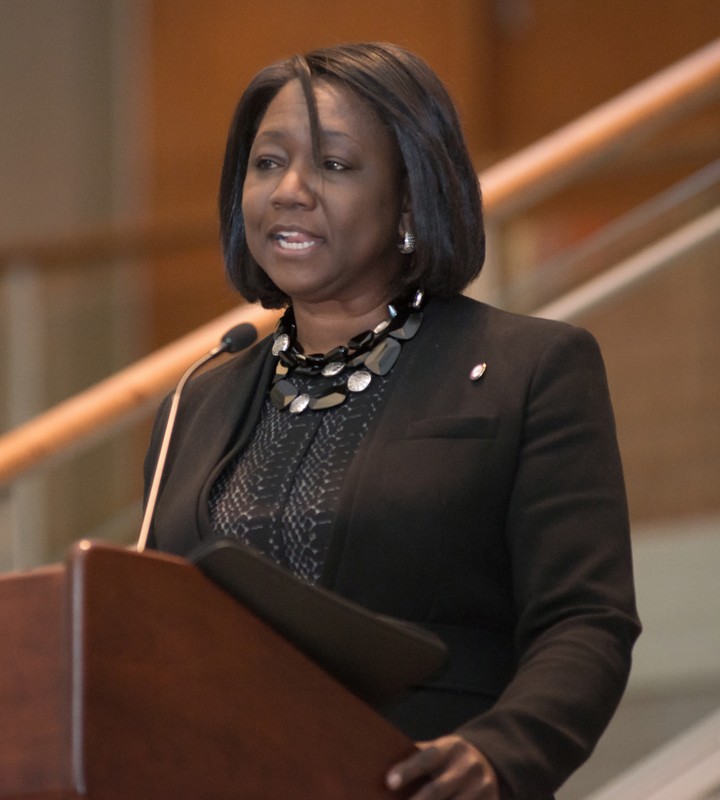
(624, 276)
(687, 768)
(616, 240)
(512, 183)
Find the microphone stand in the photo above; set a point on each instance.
(236, 339)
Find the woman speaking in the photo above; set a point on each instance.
(422, 454)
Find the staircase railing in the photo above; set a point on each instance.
(627, 274)
(687, 768)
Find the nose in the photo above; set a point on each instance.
(295, 187)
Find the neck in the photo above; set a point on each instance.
(321, 328)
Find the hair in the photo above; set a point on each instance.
(409, 98)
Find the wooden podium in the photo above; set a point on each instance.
(127, 676)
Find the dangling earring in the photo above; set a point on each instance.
(407, 245)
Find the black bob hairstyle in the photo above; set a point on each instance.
(412, 102)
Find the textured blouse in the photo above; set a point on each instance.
(280, 494)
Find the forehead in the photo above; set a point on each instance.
(339, 110)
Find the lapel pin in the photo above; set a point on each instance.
(478, 371)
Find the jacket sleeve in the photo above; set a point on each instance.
(567, 533)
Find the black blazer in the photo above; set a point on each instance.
(492, 512)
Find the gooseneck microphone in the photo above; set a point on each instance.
(236, 339)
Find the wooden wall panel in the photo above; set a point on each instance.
(556, 59)
(204, 55)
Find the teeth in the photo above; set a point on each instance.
(294, 245)
(282, 239)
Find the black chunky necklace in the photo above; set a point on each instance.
(344, 369)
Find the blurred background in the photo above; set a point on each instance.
(113, 116)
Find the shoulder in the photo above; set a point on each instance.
(237, 369)
(461, 322)
(219, 388)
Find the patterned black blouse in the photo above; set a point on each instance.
(280, 494)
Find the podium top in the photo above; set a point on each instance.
(376, 657)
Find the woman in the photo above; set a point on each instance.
(425, 455)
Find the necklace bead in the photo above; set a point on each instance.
(344, 369)
(333, 368)
(381, 359)
(280, 344)
(299, 404)
(359, 381)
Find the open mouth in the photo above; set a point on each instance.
(293, 240)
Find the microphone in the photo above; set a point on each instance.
(234, 340)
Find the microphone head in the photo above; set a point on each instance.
(239, 337)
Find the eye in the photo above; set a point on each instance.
(334, 165)
(265, 162)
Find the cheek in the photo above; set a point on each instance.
(254, 199)
(251, 212)
(246, 204)
(386, 205)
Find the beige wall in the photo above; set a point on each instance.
(71, 116)
(663, 359)
(56, 116)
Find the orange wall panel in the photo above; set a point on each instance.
(204, 55)
(556, 59)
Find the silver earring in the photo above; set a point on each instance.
(408, 244)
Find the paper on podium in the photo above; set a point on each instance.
(375, 656)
